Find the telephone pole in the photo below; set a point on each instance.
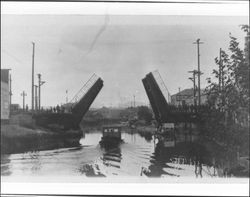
(32, 78)
(40, 83)
(23, 94)
(199, 72)
(194, 72)
(179, 89)
(66, 96)
(39, 90)
(134, 101)
(10, 91)
(36, 97)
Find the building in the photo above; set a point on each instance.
(5, 96)
(186, 97)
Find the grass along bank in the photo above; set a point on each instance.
(16, 139)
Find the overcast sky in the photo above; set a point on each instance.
(119, 49)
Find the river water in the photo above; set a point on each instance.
(138, 156)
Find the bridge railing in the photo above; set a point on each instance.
(80, 94)
(189, 108)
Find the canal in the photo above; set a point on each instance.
(139, 156)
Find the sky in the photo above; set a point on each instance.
(121, 49)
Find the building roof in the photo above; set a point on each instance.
(188, 92)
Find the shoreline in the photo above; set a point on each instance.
(18, 139)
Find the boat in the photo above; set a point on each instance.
(111, 136)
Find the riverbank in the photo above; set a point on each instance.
(16, 139)
(231, 157)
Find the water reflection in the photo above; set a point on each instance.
(5, 167)
(147, 135)
(184, 158)
(90, 170)
(36, 161)
(112, 157)
(140, 155)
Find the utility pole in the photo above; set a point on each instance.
(194, 72)
(32, 80)
(10, 91)
(134, 101)
(66, 96)
(199, 72)
(23, 94)
(179, 96)
(39, 91)
(36, 97)
(40, 83)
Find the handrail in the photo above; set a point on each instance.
(82, 92)
(162, 85)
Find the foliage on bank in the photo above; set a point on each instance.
(228, 95)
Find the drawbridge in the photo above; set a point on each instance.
(75, 109)
(160, 101)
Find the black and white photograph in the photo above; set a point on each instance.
(125, 92)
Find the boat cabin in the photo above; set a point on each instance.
(111, 131)
(168, 125)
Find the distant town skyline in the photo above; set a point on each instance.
(119, 49)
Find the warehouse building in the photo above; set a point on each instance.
(186, 97)
(5, 96)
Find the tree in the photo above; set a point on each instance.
(144, 113)
(231, 93)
